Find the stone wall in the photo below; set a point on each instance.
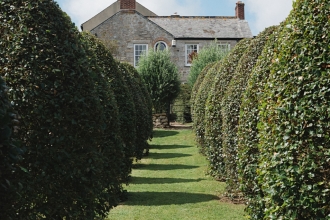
(160, 120)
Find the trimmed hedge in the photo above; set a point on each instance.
(294, 118)
(123, 97)
(73, 153)
(248, 138)
(213, 118)
(230, 108)
(196, 86)
(142, 107)
(181, 105)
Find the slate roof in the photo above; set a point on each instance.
(203, 27)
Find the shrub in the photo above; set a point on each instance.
(181, 105)
(72, 160)
(213, 118)
(115, 81)
(161, 78)
(143, 112)
(248, 138)
(197, 84)
(230, 108)
(209, 54)
(294, 118)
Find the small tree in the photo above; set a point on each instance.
(208, 54)
(161, 77)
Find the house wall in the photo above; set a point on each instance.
(129, 27)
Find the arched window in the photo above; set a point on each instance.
(160, 45)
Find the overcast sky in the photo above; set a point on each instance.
(259, 13)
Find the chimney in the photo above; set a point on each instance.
(127, 4)
(240, 10)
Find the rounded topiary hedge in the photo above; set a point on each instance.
(71, 159)
(213, 118)
(197, 84)
(230, 108)
(199, 105)
(294, 124)
(248, 138)
(142, 108)
(123, 97)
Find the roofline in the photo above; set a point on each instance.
(208, 38)
(97, 14)
(176, 16)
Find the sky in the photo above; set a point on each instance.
(259, 13)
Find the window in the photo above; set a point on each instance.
(191, 53)
(225, 46)
(139, 49)
(160, 45)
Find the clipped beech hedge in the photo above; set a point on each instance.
(73, 154)
(199, 105)
(230, 108)
(142, 108)
(248, 138)
(213, 118)
(294, 118)
(196, 86)
(123, 97)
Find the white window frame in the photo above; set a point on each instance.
(160, 42)
(190, 51)
(224, 46)
(136, 50)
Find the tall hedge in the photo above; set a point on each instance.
(181, 105)
(142, 108)
(123, 97)
(213, 118)
(230, 108)
(72, 160)
(248, 138)
(294, 118)
(196, 86)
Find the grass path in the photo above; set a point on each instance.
(171, 184)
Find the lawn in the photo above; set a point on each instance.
(171, 184)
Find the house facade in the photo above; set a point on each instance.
(134, 29)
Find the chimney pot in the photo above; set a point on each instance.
(239, 10)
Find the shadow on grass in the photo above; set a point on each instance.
(167, 155)
(166, 198)
(164, 133)
(163, 167)
(166, 147)
(148, 180)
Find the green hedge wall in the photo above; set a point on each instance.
(181, 105)
(213, 118)
(230, 108)
(123, 97)
(248, 138)
(294, 118)
(72, 159)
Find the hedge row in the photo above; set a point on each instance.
(78, 122)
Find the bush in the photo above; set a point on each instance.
(161, 78)
(294, 118)
(196, 86)
(230, 108)
(213, 118)
(73, 154)
(181, 105)
(209, 54)
(115, 81)
(248, 138)
(143, 111)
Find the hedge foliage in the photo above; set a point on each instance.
(142, 107)
(248, 138)
(181, 105)
(213, 118)
(294, 123)
(161, 77)
(123, 97)
(230, 108)
(208, 54)
(196, 86)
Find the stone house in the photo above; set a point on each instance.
(134, 29)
